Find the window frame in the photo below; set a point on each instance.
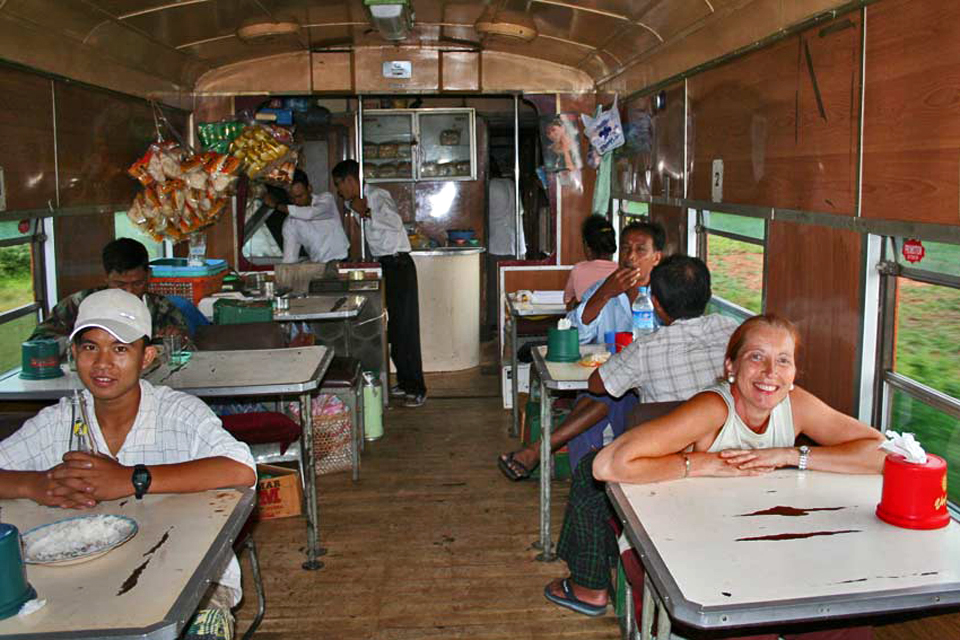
(701, 238)
(37, 239)
(887, 380)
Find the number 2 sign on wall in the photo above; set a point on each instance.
(716, 181)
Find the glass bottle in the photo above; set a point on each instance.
(81, 438)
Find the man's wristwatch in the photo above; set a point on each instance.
(141, 480)
(804, 454)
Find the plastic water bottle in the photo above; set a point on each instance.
(643, 321)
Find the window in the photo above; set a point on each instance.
(123, 228)
(732, 246)
(20, 273)
(919, 351)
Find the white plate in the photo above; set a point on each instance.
(83, 551)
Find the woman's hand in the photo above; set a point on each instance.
(762, 460)
(715, 465)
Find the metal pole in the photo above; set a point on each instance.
(359, 152)
(546, 471)
(519, 250)
(310, 489)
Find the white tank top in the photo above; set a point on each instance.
(736, 435)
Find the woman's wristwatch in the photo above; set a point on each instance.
(804, 454)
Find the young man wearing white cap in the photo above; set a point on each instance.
(151, 439)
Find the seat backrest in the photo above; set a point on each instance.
(647, 411)
(235, 337)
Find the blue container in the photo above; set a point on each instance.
(177, 268)
(14, 588)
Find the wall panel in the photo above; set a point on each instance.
(911, 159)
(26, 137)
(79, 242)
(674, 221)
(651, 160)
(813, 278)
(780, 145)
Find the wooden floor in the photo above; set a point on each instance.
(433, 542)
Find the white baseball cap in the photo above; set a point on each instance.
(121, 314)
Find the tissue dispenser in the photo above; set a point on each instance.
(914, 495)
(563, 345)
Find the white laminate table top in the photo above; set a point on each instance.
(321, 308)
(531, 309)
(152, 582)
(565, 375)
(722, 562)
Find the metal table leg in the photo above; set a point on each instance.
(310, 485)
(646, 615)
(546, 472)
(514, 373)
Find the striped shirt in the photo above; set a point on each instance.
(673, 363)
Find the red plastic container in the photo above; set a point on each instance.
(914, 495)
(622, 339)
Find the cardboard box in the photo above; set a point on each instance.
(279, 494)
(523, 382)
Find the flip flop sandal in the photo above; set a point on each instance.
(513, 469)
(570, 601)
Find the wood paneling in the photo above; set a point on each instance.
(368, 70)
(99, 135)
(79, 243)
(760, 115)
(674, 220)
(911, 159)
(26, 137)
(813, 278)
(460, 71)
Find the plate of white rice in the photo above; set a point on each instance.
(78, 539)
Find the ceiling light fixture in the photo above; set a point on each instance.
(260, 31)
(392, 18)
(513, 25)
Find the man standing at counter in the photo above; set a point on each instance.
(384, 232)
(313, 223)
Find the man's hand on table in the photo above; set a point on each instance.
(98, 477)
(43, 489)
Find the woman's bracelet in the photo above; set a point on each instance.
(686, 465)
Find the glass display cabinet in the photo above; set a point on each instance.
(409, 145)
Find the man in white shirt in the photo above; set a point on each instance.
(384, 232)
(502, 236)
(313, 223)
(149, 439)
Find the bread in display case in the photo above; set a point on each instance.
(419, 144)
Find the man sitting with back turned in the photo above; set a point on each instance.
(150, 439)
(126, 264)
(677, 361)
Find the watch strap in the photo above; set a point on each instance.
(141, 479)
(804, 455)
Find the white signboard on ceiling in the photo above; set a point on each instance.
(716, 181)
(398, 69)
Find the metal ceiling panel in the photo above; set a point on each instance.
(72, 19)
(230, 50)
(187, 23)
(669, 17)
(573, 24)
(137, 50)
(631, 42)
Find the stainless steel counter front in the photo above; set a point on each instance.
(448, 251)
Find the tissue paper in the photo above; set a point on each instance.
(905, 445)
(563, 324)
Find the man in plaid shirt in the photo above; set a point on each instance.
(680, 359)
(126, 264)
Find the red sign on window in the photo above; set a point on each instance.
(24, 226)
(913, 251)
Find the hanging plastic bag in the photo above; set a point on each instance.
(604, 129)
